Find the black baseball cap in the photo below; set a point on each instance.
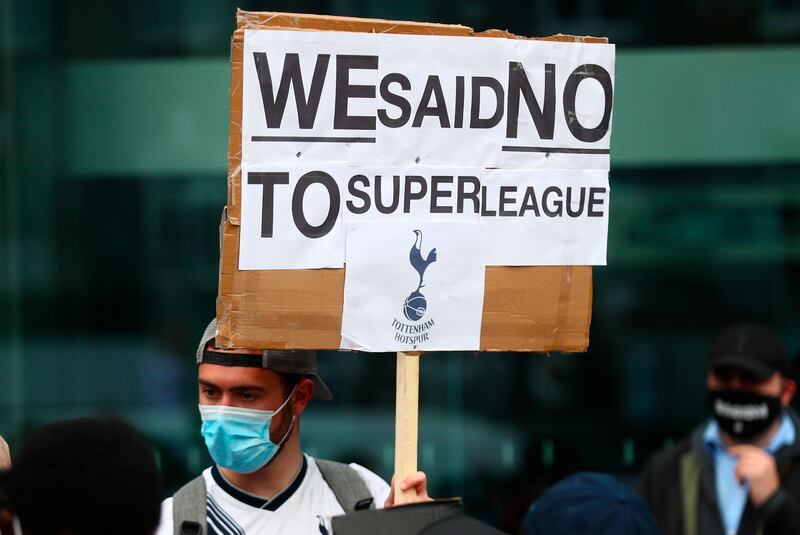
(752, 348)
(296, 362)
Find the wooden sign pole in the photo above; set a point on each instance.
(406, 423)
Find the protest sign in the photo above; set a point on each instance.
(355, 152)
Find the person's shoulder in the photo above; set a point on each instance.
(662, 470)
(165, 524)
(668, 456)
(671, 452)
(368, 476)
(378, 488)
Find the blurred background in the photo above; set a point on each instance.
(114, 137)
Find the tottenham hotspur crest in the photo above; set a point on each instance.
(415, 304)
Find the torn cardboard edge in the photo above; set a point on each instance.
(526, 309)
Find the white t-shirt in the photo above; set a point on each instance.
(305, 507)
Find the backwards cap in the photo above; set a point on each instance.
(296, 362)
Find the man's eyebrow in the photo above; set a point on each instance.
(237, 388)
(248, 388)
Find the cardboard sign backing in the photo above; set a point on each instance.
(524, 309)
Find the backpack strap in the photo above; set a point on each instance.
(690, 491)
(189, 508)
(348, 487)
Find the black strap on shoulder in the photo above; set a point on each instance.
(348, 487)
(189, 508)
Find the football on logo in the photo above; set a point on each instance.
(415, 305)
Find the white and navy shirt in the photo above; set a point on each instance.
(305, 507)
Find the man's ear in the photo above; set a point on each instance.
(789, 391)
(303, 393)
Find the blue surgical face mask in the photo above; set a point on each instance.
(238, 438)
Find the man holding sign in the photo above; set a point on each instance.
(262, 482)
(444, 171)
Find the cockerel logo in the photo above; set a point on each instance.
(416, 304)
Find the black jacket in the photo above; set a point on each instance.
(679, 484)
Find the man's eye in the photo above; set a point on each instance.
(210, 393)
(247, 396)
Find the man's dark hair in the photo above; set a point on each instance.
(88, 476)
(288, 381)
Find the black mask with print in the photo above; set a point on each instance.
(743, 415)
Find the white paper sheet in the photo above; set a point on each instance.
(546, 217)
(425, 99)
(532, 217)
(270, 237)
(413, 287)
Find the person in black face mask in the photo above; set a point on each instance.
(738, 473)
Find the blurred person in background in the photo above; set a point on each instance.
(6, 518)
(89, 476)
(738, 473)
(262, 482)
(5, 454)
(589, 504)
